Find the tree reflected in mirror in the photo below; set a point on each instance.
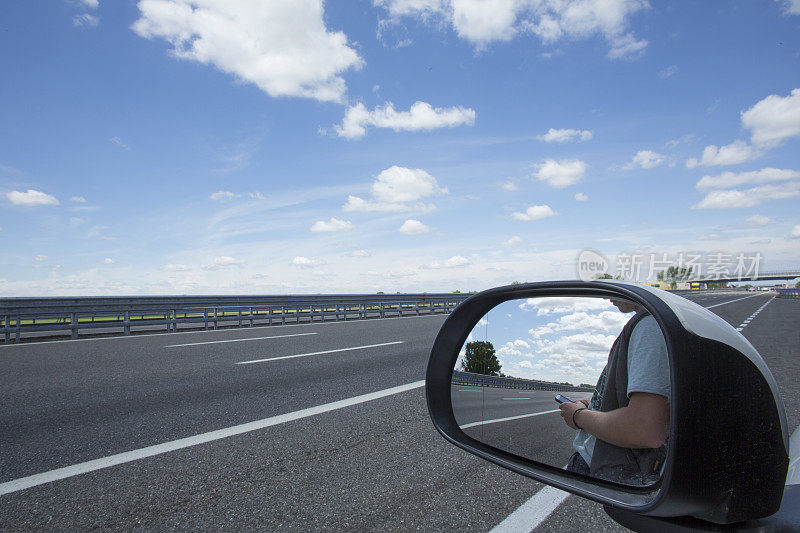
(605, 358)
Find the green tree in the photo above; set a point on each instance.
(797, 285)
(480, 359)
(674, 273)
(604, 275)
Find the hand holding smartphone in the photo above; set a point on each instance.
(562, 399)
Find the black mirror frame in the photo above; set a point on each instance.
(731, 441)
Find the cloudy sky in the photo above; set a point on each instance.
(301, 146)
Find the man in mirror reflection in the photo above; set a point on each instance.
(623, 430)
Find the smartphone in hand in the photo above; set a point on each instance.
(562, 399)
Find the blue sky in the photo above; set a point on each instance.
(551, 339)
(190, 147)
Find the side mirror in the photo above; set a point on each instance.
(716, 447)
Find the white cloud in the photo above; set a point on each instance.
(175, 267)
(732, 154)
(580, 197)
(454, 262)
(413, 227)
(734, 198)
(733, 179)
(91, 4)
(534, 212)
(482, 22)
(223, 261)
(85, 20)
(223, 196)
(282, 47)
(395, 188)
(40, 257)
(119, 142)
(795, 233)
(560, 305)
(360, 253)
(334, 224)
(31, 198)
(509, 186)
(645, 159)
(565, 135)
(305, 262)
(256, 195)
(421, 116)
(758, 220)
(791, 7)
(108, 261)
(78, 199)
(668, 72)
(773, 119)
(610, 322)
(513, 241)
(561, 173)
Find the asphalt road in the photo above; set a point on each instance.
(172, 422)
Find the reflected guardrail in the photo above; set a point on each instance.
(788, 293)
(482, 380)
(70, 316)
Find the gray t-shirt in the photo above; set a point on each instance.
(648, 371)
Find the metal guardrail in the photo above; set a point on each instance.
(72, 315)
(789, 293)
(482, 380)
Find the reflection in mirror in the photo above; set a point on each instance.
(579, 383)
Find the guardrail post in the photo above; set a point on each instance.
(383, 310)
(126, 323)
(7, 324)
(205, 318)
(250, 312)
(283, 315)
(73, 323)
(239, 316)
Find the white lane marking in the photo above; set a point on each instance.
(318, 353)
(484, 422)
(225, 329)
(469, 390)
(751, 317)
(524, 398)
(533, 512)
(141, 453)
(240, 340)
(731, 301)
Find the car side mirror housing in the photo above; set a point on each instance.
(728, 450)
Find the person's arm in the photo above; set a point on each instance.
(643, 423)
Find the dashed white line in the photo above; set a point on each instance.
(240, 340)
(141, 453)
(751, 317)
(318, 353)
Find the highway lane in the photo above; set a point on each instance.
(373, 465)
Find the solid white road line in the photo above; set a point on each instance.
(240, 340)
(319, 353)
(484, 422)
(731, 301)
(533, 512)
(524, 398)
(134, 455)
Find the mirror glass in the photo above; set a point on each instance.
(605, 359)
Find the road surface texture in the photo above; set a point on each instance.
(295, 428)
